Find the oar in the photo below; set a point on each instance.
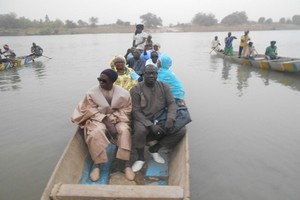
(213, 48)
(46, 57)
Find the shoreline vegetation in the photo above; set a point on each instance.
(113, 28)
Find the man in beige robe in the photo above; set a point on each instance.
(104, 114)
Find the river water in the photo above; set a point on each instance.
(245, 134)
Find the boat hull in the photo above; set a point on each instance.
(65, 184)
(283, 64)
(18, 62)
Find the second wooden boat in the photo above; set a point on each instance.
(284, 64)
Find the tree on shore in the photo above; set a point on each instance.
(93, 21)
(261, 20)
(70, 24)
(296, 19)
(151, 21)
(204, 19)
(235, 18)
(120, 22)
(269, 21)
(82, 23)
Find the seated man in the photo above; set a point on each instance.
(36, 50)
(215, 44)
(148, 98)
(104, 114)
(137, 63)
(271, 51)
(249, 51)
(8, 53)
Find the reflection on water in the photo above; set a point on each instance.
(39, 69)
(244, 73)
(226, 70)
(291, 80)
(11, 79)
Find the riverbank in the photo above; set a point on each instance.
(130, 29)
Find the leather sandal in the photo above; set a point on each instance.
(129, 174)
(95, 174)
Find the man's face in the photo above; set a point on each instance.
(105, 82)
(150, 75)
(154, 56)
(119, 63)
(136, 54)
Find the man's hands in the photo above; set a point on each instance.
(111, 133)
(169, 125)
(157, 130)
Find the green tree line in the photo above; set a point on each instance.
(150, 20)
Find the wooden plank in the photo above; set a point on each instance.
(124, 192)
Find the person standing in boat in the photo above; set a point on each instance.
(148, 98)
(104, 114)
(139, 38)
(244, 42)
(8, 53)
(215, 44)
(36, 50)
(271, 51)
(228, 50)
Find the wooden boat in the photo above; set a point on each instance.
(18, 62)
(284, 64)
(66, 181)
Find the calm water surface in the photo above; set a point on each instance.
(244, 138)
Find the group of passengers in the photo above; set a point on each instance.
(10, 55)
(246, 48)
(121, 108)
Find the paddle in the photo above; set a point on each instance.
(213, 48)
(46, 57)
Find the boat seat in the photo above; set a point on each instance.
(113, 192)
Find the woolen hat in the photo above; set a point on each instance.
(111, 74)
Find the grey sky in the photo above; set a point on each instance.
(170, 11)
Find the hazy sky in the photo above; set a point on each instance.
(170, 11)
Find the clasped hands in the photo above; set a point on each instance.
(157, 130)
(111, 132)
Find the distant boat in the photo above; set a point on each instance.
(70, 178)
(284, 64)
(17, 62)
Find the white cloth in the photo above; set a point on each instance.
(138, 39)
(215, 45)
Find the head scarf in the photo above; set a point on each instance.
(165, 74)
(111, 74)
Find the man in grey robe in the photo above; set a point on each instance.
(148, 98)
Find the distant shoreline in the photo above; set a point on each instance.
(130, 29)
